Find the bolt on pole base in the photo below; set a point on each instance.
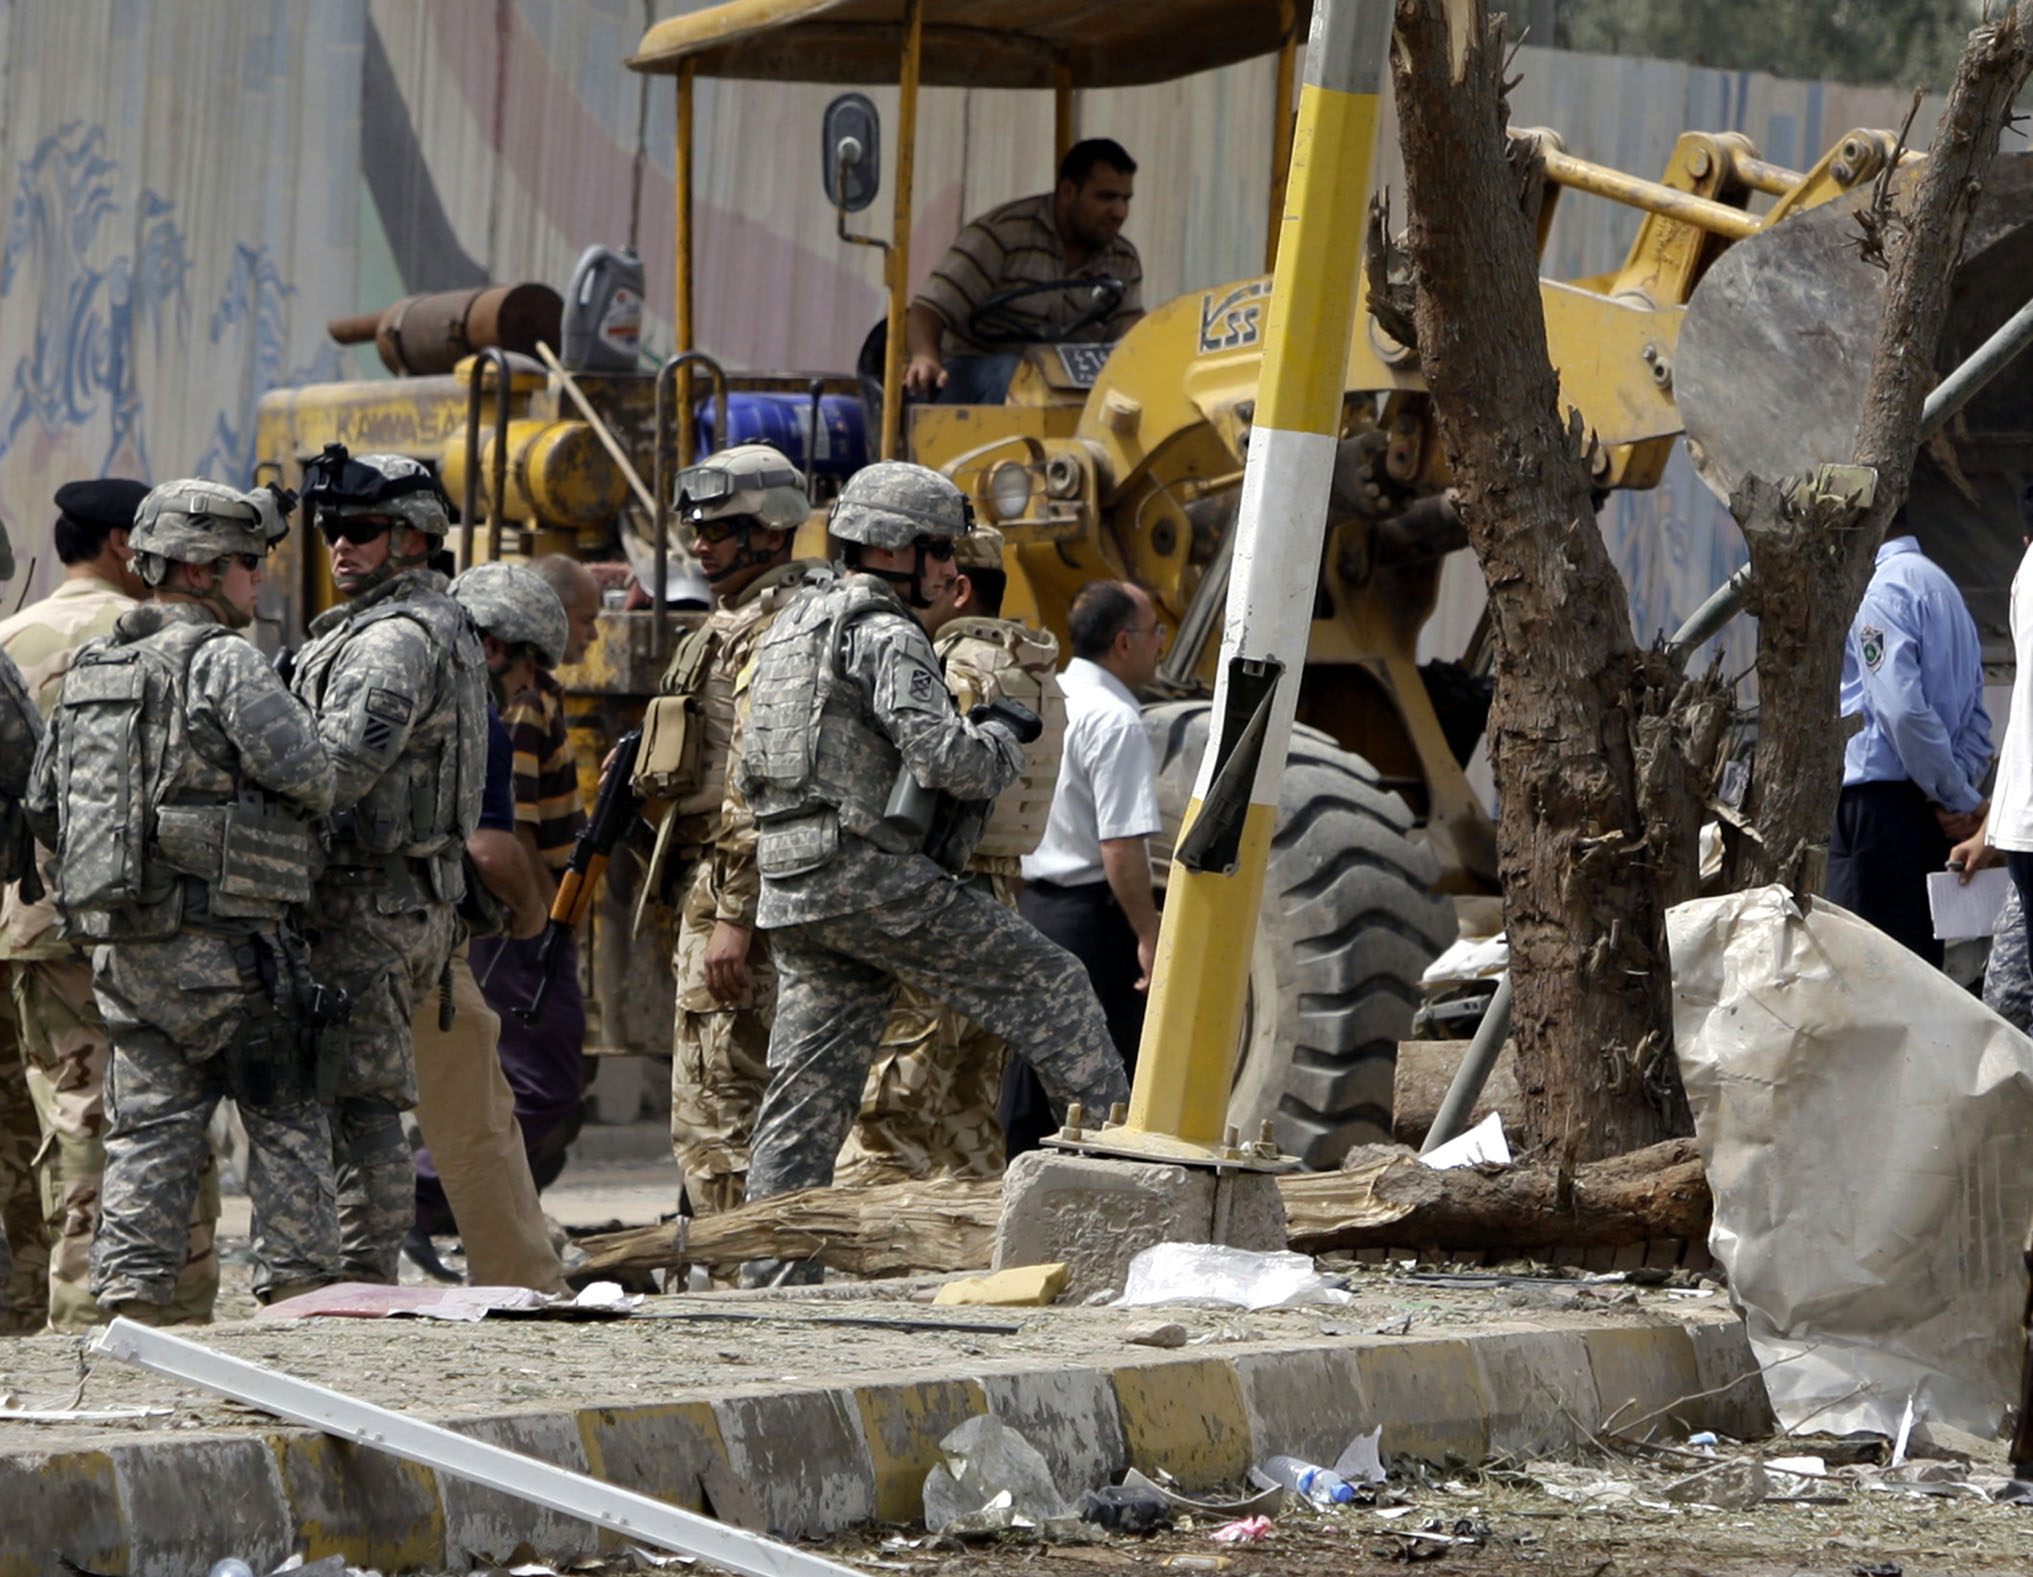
(1118, 1139)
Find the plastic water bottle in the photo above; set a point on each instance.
(1322, 1486)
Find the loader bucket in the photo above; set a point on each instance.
(1777, 346)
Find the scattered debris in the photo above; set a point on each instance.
(1169, 1333)
(1027, 1285)
(992, 1480)
(1482, 1145)
(1321, 1485)
(1246, 1531)
(361, 1300)
(1730, 1485)
(1362, 1459)
(1127, 1508)
(1213, 1273)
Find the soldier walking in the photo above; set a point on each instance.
(24, 1233)
(174, 786)
(929, 1109)
(848, 711)
(741, 509)
(398, 684)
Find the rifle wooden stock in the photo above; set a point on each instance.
(612, 811)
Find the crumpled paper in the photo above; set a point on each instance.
(1864, 1124)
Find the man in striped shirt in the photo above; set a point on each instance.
(1073, 232)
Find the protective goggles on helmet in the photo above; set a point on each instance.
(335, 480)
(710, 484)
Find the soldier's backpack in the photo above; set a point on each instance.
(117, 730)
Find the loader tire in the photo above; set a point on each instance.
(1349, 922)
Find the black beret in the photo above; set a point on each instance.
(107, 502)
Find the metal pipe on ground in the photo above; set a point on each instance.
(1451, 1121)
(639, 1517)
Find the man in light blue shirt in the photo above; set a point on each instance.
(1913, 669)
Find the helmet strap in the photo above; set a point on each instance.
(912, 581)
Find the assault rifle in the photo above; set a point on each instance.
(615, 807)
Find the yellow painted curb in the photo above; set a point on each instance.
(1187, 1417)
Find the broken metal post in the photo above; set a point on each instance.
(1473, 1073)
(559, 1489)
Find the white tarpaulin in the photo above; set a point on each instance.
(1865, 1124)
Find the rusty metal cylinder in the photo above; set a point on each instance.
(432, 333)
(559, 476)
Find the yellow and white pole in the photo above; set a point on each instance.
(1199, 987)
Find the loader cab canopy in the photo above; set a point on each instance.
(972, 43)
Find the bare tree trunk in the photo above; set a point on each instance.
(1596, 835)
(1811, 557)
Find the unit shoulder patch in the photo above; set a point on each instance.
(390, 704)
(1872, 640)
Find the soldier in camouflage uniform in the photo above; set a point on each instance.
(929, 1108)
(48, 975)
(397, 681)
(24, 1238)
(174, 786)
(848, 718)
(741, 509)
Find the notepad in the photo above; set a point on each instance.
(1964, 909)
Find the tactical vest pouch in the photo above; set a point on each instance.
(673, 748)
(268, 855)
(103, 861)
(192, 839)
(795, 845)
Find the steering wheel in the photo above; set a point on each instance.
(1001, 320)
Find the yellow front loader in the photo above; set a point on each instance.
(1127, 461)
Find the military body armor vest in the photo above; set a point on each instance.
(814, 762)
(998, 659)
(140, 808)
(427, 803)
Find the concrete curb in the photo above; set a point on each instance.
(818, 1460)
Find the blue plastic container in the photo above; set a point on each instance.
(781, 419)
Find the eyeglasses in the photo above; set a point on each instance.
(1158, 628)
(356, 529)
(249, 561)
(717, 530)
(940, 548)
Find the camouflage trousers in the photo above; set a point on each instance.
(2008, 976)
(929, 1107)
(719, 1060)
(24, 1235)
(63, 1040)
(388, 964)
(173, 1010)
(836, 979)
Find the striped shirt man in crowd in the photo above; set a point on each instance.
(961, 356)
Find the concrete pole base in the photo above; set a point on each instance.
(1097, 1214)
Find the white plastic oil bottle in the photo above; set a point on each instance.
(603, 311)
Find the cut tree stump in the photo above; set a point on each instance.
(1382, 1198)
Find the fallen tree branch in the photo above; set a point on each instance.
(1383, 1197)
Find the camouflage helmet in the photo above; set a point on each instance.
(340, 484)
(513, 603)
(752, 480)
(196, 521)
(981, 548)
(892, 503)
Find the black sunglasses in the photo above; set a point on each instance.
(358, 530)
(940, 548)
(249, 561)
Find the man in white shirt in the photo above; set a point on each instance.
(1089, 881)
